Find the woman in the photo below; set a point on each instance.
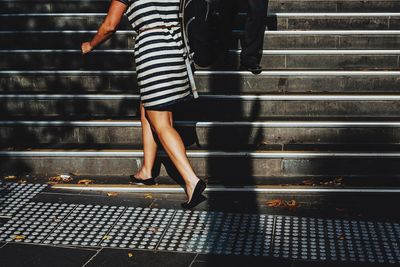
(163, 80)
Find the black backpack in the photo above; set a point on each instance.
(200, 30)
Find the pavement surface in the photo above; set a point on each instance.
(43, 226)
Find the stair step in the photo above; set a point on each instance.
(13, 6)
(273, 59)
(276, 21)
(238, 107)
(242, 164)
(120, 188)
(227, 147)
(207, 81)
(333, 135)
(288, 184)
(272, 40)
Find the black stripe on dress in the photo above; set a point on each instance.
(161, 73)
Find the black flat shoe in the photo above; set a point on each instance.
(150, 181)
(197, 196)
(255, 69)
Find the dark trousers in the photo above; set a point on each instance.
(252, 43)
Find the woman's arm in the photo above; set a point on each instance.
(108, 27)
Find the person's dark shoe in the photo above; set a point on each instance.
(194, 204)
(150, 181)
(197, 196)
(255, 69)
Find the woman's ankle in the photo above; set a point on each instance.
(145, 172)
(192, 181)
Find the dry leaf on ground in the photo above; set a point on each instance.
(335, 182)
(21, 181)
(291, 205)
(19, 237)
(10, 177)
(106, 237)
(148, 195)
(153, 229)
(276, 203)
(130, 254)
(342, 237)
(112, 194)
(60, 179)
(85, 181)
(308, 182)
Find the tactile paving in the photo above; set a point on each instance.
(13, 196)
(139, 228)
(336, 240)
(227, 243)
(213, 232)
(86, 225)
(223, 222)
(34, 222)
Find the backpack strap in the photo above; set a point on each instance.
(187, 56)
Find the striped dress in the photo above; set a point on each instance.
(161, 67)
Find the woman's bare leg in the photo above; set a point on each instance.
(161, 122)
(149, 148)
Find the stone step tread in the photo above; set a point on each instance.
(300, 152)
(287, 72)
(232, 51)
(122, 182)
(20, 39)
(271, 188)
(242, 164)
(284, 60)
(349, 147)
(78, 13)
(135, 122)
(279, 21)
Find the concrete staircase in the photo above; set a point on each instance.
(326, 105)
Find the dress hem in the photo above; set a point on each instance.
(170, 106)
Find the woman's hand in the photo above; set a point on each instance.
(86, 48)
(107, 28)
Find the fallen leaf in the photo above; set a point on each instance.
(106, 237)
(153, 229)
(130, 254)
(63, 178)
(85, 181)
(21, 181)
(54, 179)
(112, 194)
(10, 177)
(276, 203)
(338, 181)
(335, 182)
(19, 237)
(308, 182)
(291, 205)
(148, 195)
(342, 237)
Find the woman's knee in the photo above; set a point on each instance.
(159, 122)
